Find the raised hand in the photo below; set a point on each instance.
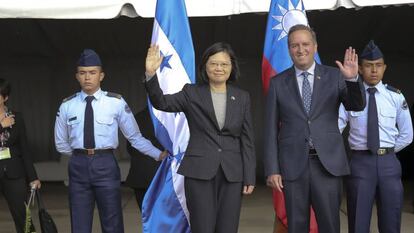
(350, 66)
(153, 60)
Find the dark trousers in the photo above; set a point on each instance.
(139, 196)
(214, 205)
(374, 177)
(95, 179)
(15, 192)
(316, 187)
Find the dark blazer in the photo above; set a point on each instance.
(143, 167)
(20, 164)
(288, 127)
(232, 147)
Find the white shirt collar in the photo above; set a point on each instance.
(380, 86)
(311, 70)
(97, 94)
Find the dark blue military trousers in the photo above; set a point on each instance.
(374, 177)
(93, 179)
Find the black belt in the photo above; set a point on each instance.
(92, 151)
(381, 151)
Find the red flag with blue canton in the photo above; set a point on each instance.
(283, 14)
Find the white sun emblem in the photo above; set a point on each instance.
(290, 17)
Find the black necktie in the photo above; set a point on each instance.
(373, 142)
(88, 132)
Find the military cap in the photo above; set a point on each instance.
(371, 52)
(89, 58)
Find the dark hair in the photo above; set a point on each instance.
(299, 27)
(212, 50)
(4, 88)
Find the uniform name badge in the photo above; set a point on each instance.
(4, 153)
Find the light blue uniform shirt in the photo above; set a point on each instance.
(394, 121)
(110, 111)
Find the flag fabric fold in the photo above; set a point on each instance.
(164, 207)
(283, 14)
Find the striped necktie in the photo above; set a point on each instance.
(306, 92)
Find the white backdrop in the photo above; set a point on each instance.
(106, 9)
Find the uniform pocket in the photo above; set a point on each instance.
(105, 120)
(73, 121)
(387, 117)
(104, 125)
(356, 114)
(390, 113)
(74, 127)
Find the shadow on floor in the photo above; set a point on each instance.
(256, 217)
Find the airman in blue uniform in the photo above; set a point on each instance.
(376, 133)
(86, 128)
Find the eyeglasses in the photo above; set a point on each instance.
(223, 65)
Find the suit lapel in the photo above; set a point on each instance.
(318, 80)
(231, 101)
(292, 84)
(208, 101)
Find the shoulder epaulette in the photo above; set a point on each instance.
(69, 98)
(396, 90)
(115, 95)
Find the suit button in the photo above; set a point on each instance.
(219, 150)
(309, 122)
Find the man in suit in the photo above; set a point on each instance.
(304, 150)
(142, 168)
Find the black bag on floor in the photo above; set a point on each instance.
(46, 222)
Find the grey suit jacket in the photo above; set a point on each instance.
(232, 147)
(288, 127)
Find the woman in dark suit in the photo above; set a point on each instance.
(219, 163)
(16, 167)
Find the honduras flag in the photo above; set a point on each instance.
(164, 207)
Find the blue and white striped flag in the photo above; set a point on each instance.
(164, 207)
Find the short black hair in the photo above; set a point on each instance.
(217, 48)
(4, 88)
